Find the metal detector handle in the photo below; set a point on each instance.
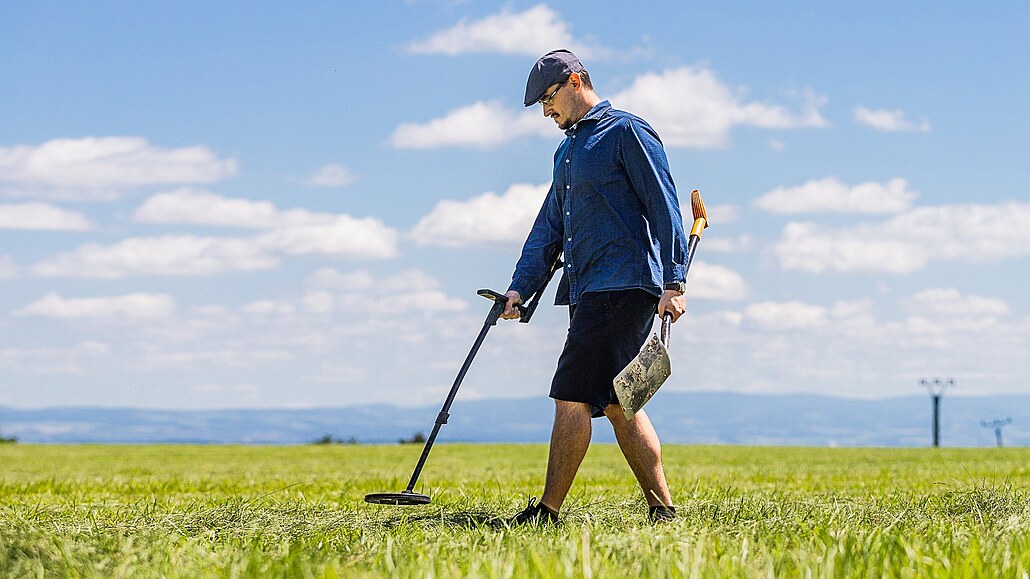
(534, 300)
(500, 302)
(525, 310)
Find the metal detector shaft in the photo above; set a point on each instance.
(491, 320)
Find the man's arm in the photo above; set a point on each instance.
(538, 254)
(648, 168)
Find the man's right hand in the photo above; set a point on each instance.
(510, 311)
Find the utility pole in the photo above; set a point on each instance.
(996, 424)
(936, 388)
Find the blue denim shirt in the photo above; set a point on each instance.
(612, 210)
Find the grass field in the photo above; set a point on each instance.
(239, 511)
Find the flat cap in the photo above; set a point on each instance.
(551, 68)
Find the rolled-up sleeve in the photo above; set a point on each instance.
(644, 160)
(542, 247)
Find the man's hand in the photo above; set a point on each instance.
(510, 311)
(673, 302)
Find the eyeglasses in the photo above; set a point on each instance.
(550, 98)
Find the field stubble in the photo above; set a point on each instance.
(237, 511)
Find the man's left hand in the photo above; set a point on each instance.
(673, 302)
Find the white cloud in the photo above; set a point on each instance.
(843, 348)
(344, 236)
(53, 360)
(829, 195)
(292, 232)
(715, 282)
(329, 278)
(703, 119)
(943, 318)
(98, 168)
(950, 302)
(691, 107)
(908, 241)
(42, 217)
(166, 255)
(812, 248)
(331, 176)
(792, 315)
(194, 207)
(487, 218)
(738, 244)
(136, 306)
(362, 292)
(267, 308)
(721, 214)
(189, 359)
(341, 373)
(534, 32)
(482, 125)
(887, 120)
(188, 255)
(234, 389)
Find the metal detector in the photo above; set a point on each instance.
(408, 496)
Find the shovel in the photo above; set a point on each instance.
(646, 373)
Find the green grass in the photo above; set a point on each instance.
(242, 511)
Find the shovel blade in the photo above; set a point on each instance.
(642, 377)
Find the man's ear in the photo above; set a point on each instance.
(575, 81)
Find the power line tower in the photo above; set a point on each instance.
(996, 424)
(936, 388)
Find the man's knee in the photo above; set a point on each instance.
(613, 411)
(569, 408)
(617, 417)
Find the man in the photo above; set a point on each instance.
(612, 210)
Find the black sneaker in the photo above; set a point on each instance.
(535, 513)
(661, 514)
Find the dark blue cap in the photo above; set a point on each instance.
(552, 68)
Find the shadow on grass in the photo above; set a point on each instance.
(465, 519)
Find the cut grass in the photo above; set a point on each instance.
(241, 511)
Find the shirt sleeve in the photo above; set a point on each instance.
(644, 160)
(542, 247)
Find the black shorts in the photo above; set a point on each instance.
(606, 331)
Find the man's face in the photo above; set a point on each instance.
(559, 105)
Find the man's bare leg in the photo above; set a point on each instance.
(570, 438)
(643, 451)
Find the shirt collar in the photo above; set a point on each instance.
(593, 114)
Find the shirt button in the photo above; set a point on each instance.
(570, 239)
(566, 186)
(567, 213)
(566, 160)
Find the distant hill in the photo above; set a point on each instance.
(700, 418)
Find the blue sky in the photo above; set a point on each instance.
(254, 205)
